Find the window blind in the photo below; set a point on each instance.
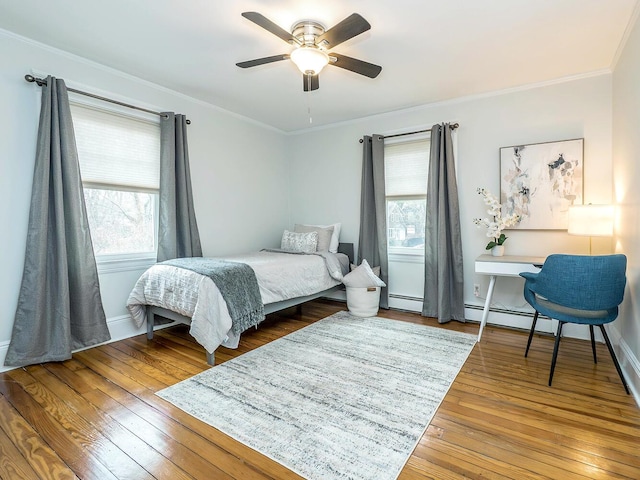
(115, 150)
(406, 167)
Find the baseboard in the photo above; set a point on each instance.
(120, 327)
(408, 304)
(508, 318)
(4, 347)
(629, 363)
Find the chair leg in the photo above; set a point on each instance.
(593, 344)
(555, 351)
(533, 327)
(615, 360)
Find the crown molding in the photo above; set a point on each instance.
(457, 100)
(132, 78)
(625, 36)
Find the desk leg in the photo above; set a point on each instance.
(487, 304)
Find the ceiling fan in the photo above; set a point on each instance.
(312, 44)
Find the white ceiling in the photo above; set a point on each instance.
(430, 50)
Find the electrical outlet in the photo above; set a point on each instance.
(476, 289)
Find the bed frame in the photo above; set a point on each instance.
(152, 310)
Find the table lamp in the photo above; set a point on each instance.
(591, 221)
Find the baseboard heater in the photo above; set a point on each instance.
(471, 306)
(404, 297)
(502, 310)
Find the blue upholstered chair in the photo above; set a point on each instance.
(578, 289)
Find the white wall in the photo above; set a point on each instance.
(325, 165)
(238, 170)
(626, 173)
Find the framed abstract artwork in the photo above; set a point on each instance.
(539, 182)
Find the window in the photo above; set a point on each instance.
(406, 169)
(120, 166)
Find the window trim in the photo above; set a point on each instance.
(125, 262)
(406, 254)
(122, 262)
(88, 102)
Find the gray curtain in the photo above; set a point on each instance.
(372, 243)
(178, 235)
(59, 305)
(443, 282)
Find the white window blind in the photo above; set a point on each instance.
(406, 168)
(116, 150)
(406, 163)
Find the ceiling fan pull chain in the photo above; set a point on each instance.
(308, 79)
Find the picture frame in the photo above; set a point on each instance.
(540, 181)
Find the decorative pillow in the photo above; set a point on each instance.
(362, 276)
(299, 242)
(335, 237)
(324, 235)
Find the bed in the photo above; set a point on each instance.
(284, 279)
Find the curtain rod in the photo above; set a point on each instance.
(453, 127)
(40, 82)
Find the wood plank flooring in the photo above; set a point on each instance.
(96, 416)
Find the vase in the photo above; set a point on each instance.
(497, 251)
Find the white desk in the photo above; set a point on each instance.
(505, 266)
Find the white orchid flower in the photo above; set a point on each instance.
(499, 223)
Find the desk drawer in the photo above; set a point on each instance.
(505, 269)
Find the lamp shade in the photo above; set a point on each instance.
(591, 220)
(309, 60)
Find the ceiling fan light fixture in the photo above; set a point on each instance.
(312, 43)
(309, 60)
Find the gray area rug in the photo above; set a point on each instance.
(345, 397)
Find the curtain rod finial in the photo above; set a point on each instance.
(38, 81)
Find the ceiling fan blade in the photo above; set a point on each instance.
(310, 82)
(268, 25)
(348, 28)
(262, 61)
(358, 66)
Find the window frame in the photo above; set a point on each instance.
(407, 254)
(108, 263)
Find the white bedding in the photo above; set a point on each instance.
(281, 276)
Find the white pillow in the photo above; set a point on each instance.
(362, 276)
(335, 236)
(299, 242)
(375, 270)
(324, 235)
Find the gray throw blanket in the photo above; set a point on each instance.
(237, 283)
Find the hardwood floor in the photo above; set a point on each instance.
(96, 416)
